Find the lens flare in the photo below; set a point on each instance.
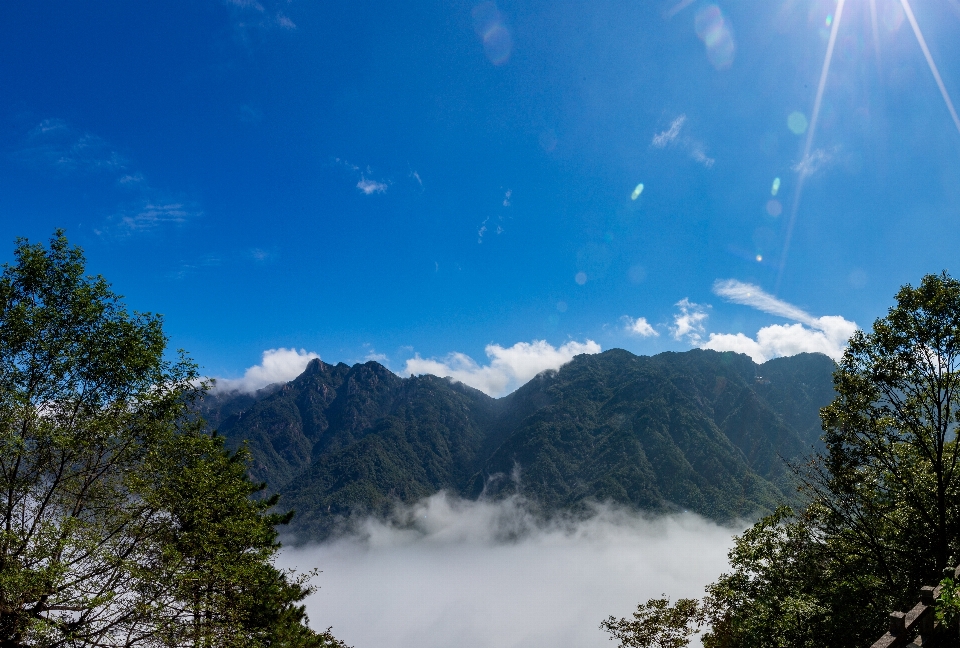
(776, 187)
(488, 24)
(714, 30)
(893, 17)
(497, 44)
(637, 191)
(774, 208)
(797, 123)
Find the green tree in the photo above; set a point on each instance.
(883, 514)
(117, 513)
(657, 624)
(889, 480)
(212, 576)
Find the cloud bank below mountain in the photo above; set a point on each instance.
(448, 572)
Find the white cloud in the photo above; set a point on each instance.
(701, 157)
(285, 22)
(672, 135)
(54, 144)
(660, 140)
(813, 162)
(67, 151)
(347, 164)
(506, 198)
(509, 367)
(276, 366)
(688, 323)
(153, 215)
(131, 179)
(827, 334)
(447, 572)
(739, 292)
(639, 326)
(246, 4)
(785, 340)
(370, 186)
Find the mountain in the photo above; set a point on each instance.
(701, 431)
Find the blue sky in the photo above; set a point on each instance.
(408, 181)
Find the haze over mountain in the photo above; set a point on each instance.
(702, 431)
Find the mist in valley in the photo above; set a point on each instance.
(449, 572)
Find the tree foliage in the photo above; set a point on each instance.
(657, 624)
(882, 513)
(123, 523)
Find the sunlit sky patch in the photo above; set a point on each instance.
(408, 182)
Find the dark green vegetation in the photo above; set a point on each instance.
(881, 512)
(122, 522)
(702, 431)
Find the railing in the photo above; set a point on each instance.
(915, 628)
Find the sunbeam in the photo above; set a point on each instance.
(876, 30)
(933, 66)
(801, 175)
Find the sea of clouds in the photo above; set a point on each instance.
(449, 572)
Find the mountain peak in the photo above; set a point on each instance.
(701, 430)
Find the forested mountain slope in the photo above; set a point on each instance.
(702, 431)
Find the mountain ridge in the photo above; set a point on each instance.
(700, 430)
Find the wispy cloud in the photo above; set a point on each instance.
(701, 157)
(688, 323)
(673, 136)
(347, 164)
(747, 294)
(151, 216)
(131, 179)
(54, 146)
(660, 140)
(366, 183)
(814, 161)
(188, 269)
(248, 14)
(509, 367)
(276, 366)
(369, 187)
(827, 334)
(639, 326)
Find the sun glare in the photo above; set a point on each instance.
(798, 124)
